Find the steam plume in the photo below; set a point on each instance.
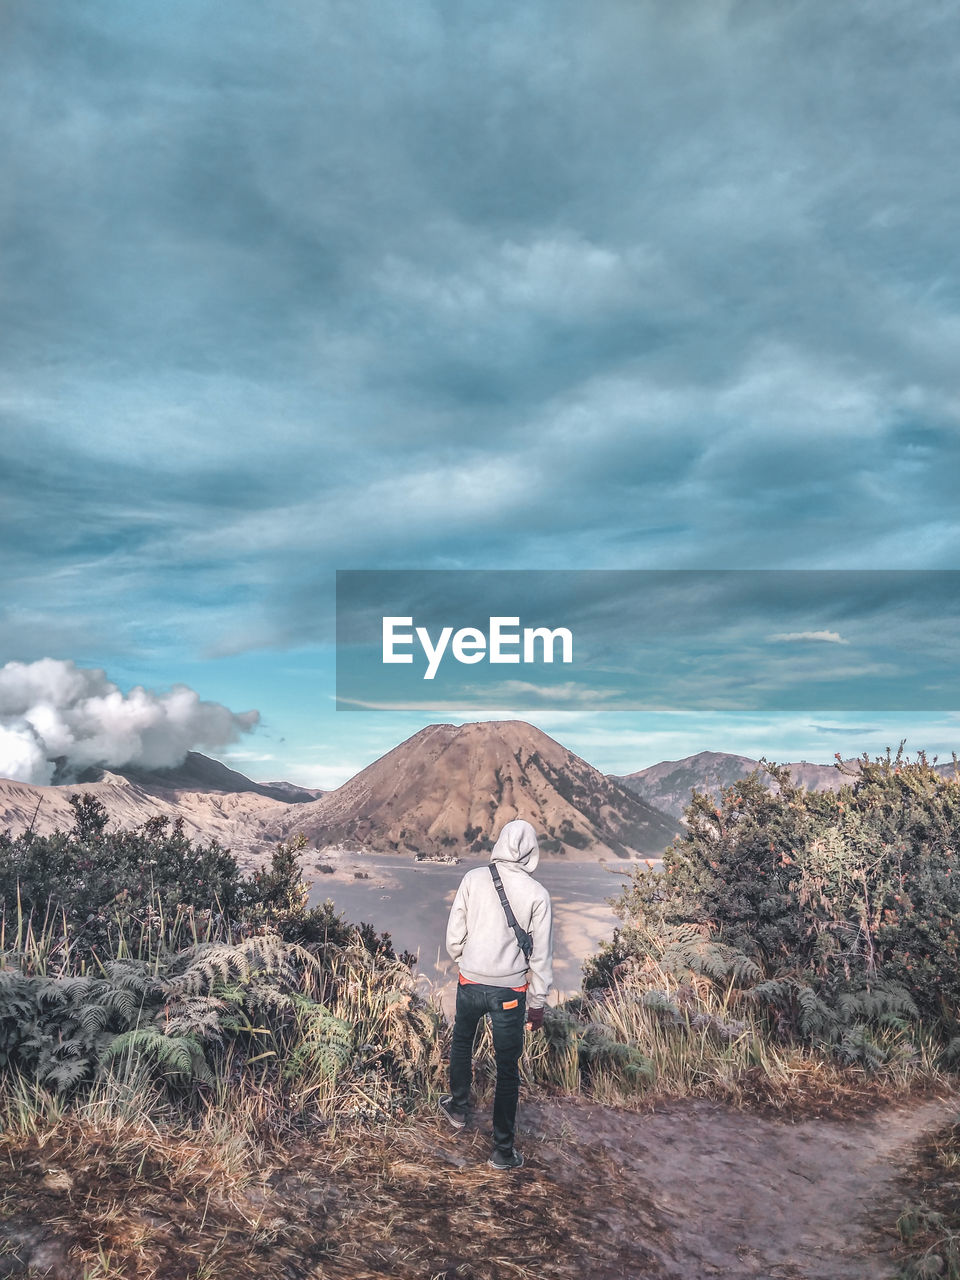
(54, 713)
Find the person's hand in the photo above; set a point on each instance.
(534, 1019)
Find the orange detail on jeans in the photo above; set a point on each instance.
(468, 982)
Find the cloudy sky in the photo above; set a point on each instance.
(297, 287)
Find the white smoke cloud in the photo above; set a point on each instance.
(54, 711)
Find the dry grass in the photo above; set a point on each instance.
(928, 1227)
(123, 1200)
(809, 1088)
(120, 1185)
(404, 1201)
(711, 1044)
(314, 1173)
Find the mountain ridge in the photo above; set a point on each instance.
(445, 790)
(667, 784)
(199, 772)
(232, 815)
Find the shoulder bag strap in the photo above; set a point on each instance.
(524, 941)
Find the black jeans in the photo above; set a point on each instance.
(507, 1010)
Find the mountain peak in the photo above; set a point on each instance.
(450, 788)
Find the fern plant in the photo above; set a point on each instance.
(324, 1045)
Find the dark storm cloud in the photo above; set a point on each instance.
(316, 285)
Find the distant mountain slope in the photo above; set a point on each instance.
(199, 773)
(668, 785)
(215, 802)
(449, 789)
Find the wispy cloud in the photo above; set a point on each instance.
(818, 637)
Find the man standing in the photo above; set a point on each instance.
(500, 934)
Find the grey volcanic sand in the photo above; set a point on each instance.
(411, 901)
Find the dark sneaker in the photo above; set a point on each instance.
(456, 1118)
(503, 1162)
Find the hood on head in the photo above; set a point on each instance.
(517, 842)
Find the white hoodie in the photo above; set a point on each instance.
(478, 936)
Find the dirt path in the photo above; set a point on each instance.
(738, 1195)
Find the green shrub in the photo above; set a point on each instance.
(115, 965)
(155, 888)
(93, 880)
(842, 906)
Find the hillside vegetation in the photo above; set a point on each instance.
(834, 915)
(167, 1021)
